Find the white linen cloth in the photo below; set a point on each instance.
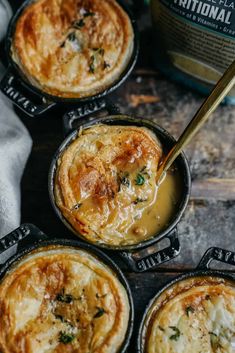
(15, 146)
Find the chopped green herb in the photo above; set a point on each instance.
(59, 317)
(161, 328)
(64, 298)
(212, 333)
(138, 200)
(189, 309)
(66, 337)
(100, 312)
(89, 13)
(92, 64)
(143, 169)
(71, 36)
(106, 65)
(140, 180)
(215, 340)
(62, 319)
(177, 334)
(78, 24)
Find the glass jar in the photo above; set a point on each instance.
(194, 40)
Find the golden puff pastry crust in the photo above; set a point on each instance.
(196, 315)
(61, 299)
(105, 182)
(73, 48)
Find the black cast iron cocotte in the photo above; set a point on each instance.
(34, 101)
(27, 238)
(202, 270)
(139, 257)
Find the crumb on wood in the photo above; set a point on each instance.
(137, 99)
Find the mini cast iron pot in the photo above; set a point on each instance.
(34, 101)
(202, 270)
(139, 261)
(28, 237)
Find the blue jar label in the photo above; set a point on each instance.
(218, 15)
(198, 36)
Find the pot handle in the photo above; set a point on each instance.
(11, 243)
(89, 108)
(155, 259)
(218, 254)
(10, 86)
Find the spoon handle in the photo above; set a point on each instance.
(221, 89)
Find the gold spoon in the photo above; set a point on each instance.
(220, 90)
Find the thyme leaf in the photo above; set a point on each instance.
(65, 337)
(138, 200)
(99, 51)
(140, 179)
(189, 309)
(125, 181)
(62, 319)
(100, 312)
(64, 298)
(143, 169)
(177, 334)
(161, 328)
(215, 340)
(92, 64)
(78, 24)
(106, 65)
(71, 37)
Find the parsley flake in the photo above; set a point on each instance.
(177, 334)
(64, 298)
(71, 37)
(66, 337)
(189, 309)
(140, 179)
(106, 65)
(92, 64)
(138, 200)
(100, 312)
(79, 24)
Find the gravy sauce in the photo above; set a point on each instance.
(158, 215)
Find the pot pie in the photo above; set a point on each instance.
(196, 315)
(73, 48)
(105, 185)
(61, 299)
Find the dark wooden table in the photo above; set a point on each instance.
(209, 219)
